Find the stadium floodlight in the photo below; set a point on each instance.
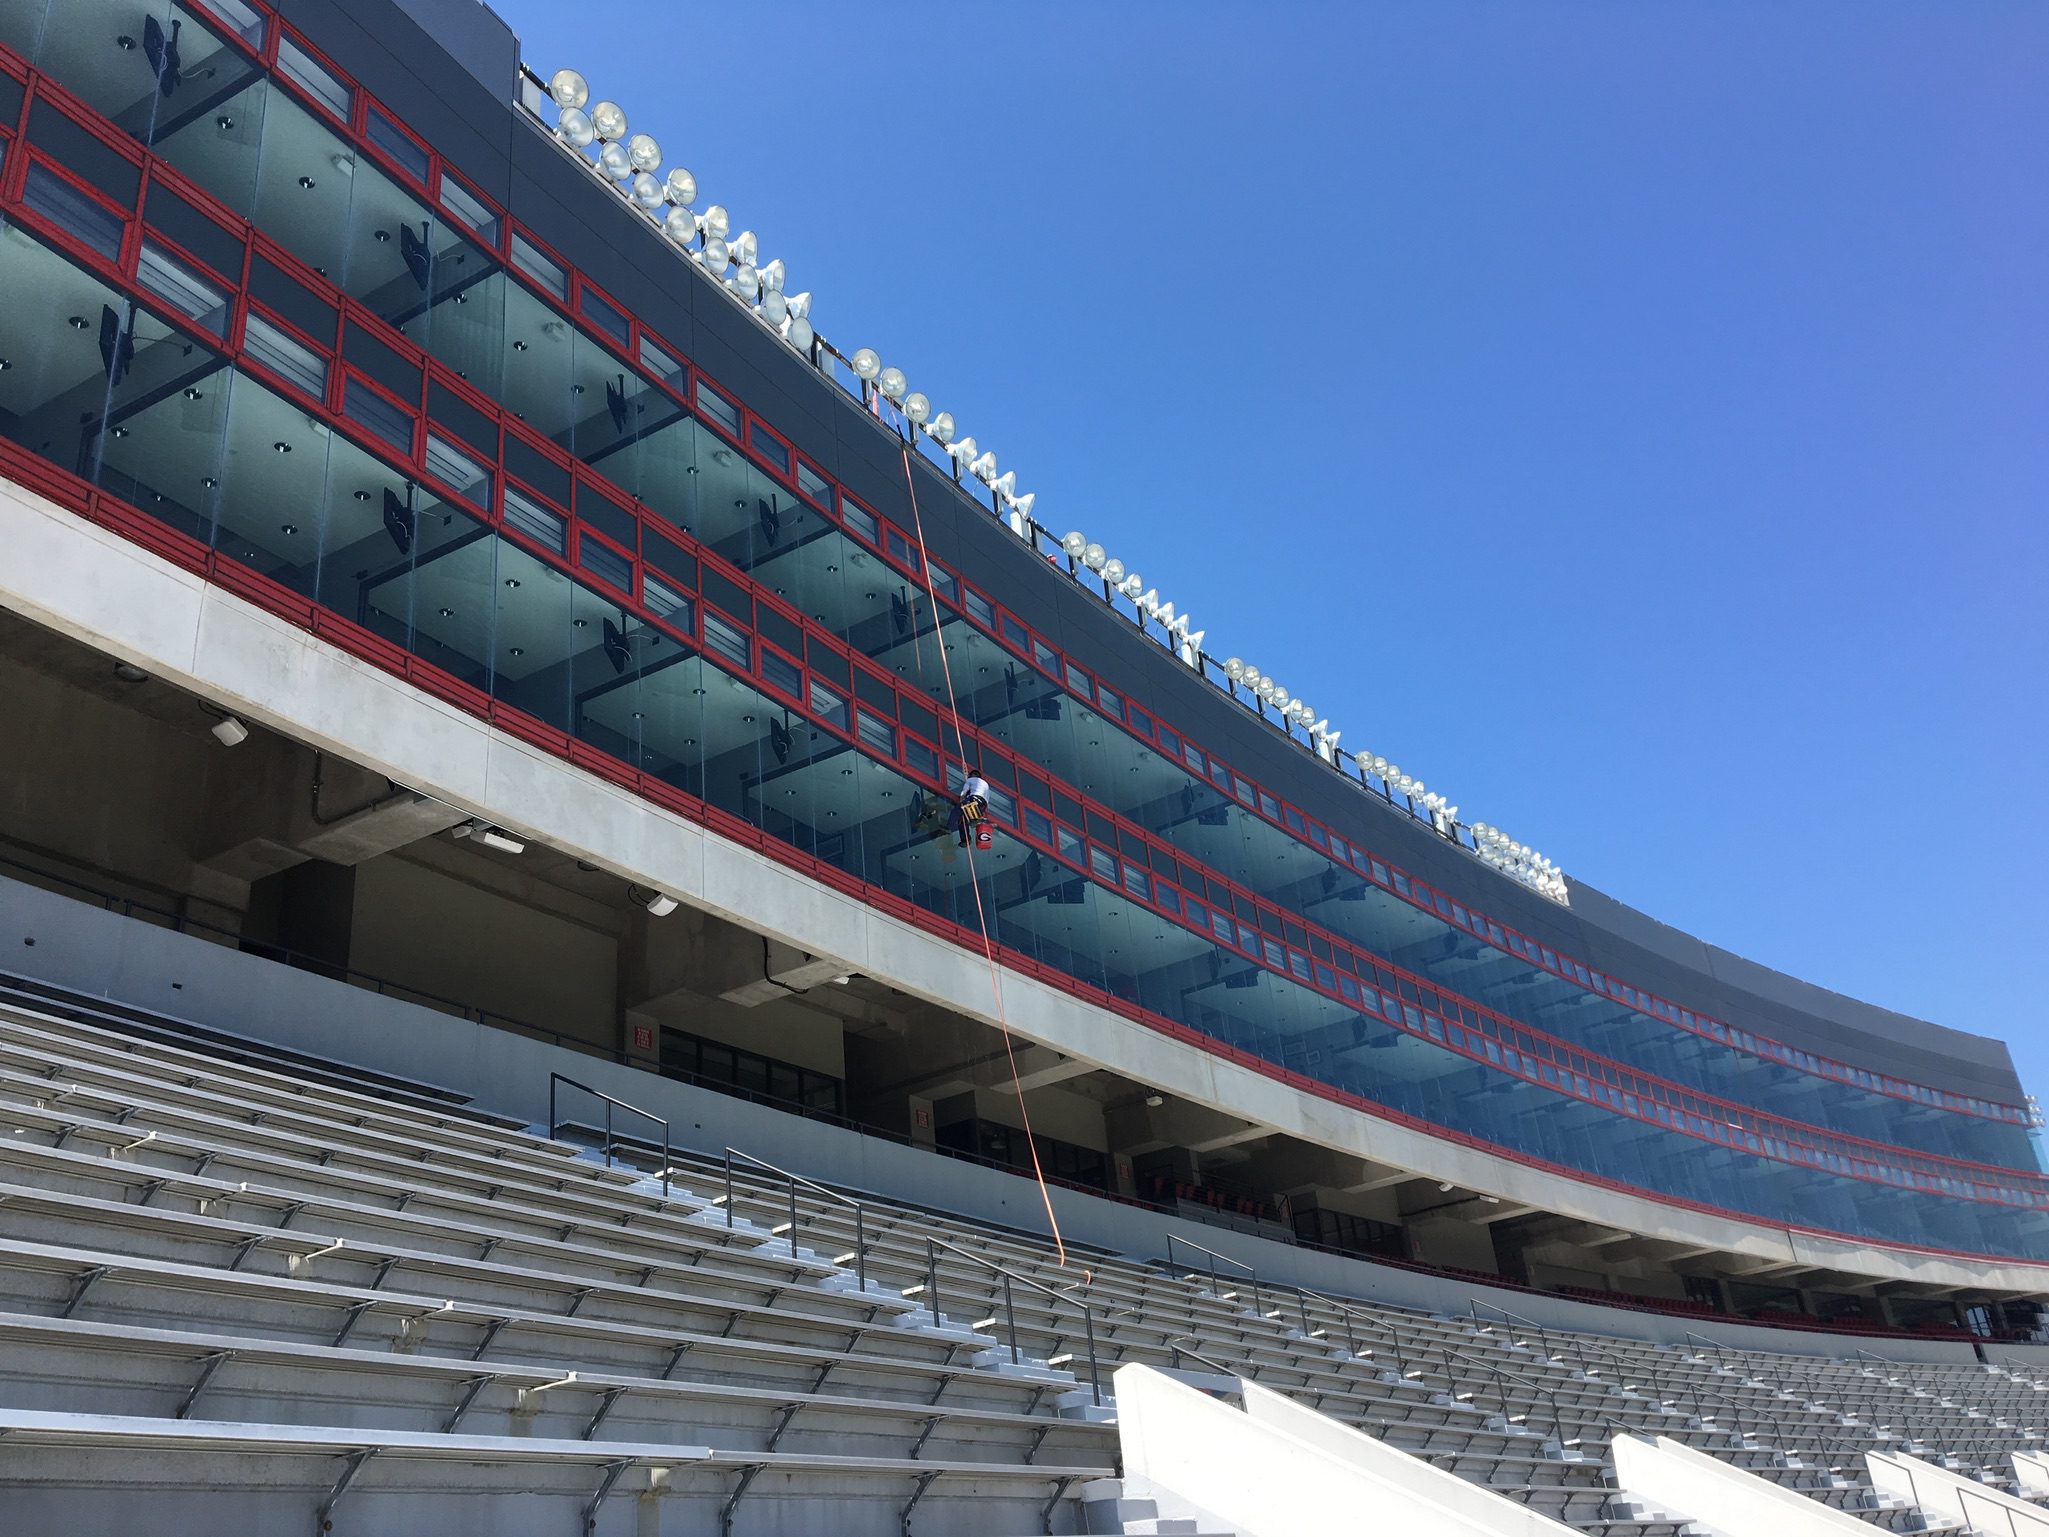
(942, 428)
(800, 305)
(892, 383)
(964, 450)
(1075, 543)
(680, 225)
(773, 275)
(647, 192)
(984, 466)
(798, 333)
(746, 282)
(1132, 585)
(716, 223)
(1234, 669)
(866, 362)
(614, 159)
(680, 188)
(609, 119)
(644, 153)
(774, 307)
(576, 128)
(917, 407)
(1005, 485)
(746, 248)
(1095, 557)
(1022, 505)
(1113, 571)
(569, 89)
(714, 254)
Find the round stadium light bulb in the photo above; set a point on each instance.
(609, 120)
(772, 276)
(714, 255)
(569, 89)
(774, 307)
(1095, 557)
(680, 188)
(800, 305)
(746, 248)
(984, 466)
(679, 226)
(1023, 505)
(1113, 571)
(866, 362)
(918, 407)
(1234, 669)
(716, 222)
(575, 127)
(642, 150)
(964, 450)
(613, 158)
(891, 382)
(942, 428)
(747, 283)
(646, 190)
(1133, 585)
(1075, 543)
(1005, 484)
(799, 334)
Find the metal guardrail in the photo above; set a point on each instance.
(928, 1291)
(557, 1082)
(1215, 1283)
(792, 1182)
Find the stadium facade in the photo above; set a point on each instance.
(422, 569)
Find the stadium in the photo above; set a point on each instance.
(506, 1026)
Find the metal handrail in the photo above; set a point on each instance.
(1501, 1377)
(2013, 1530)
(1721, 1350)
(1258, 1299)
(1179, 1346)
(860, 1252)
(556, 1080)
(1351, 1316)
(929, 1289)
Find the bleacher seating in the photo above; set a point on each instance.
(222, 1279)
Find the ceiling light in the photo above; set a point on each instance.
(128, 672)
(1154, 1100)
(656, 902)
(491, 837)
(230, 732)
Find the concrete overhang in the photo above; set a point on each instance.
(98, 588)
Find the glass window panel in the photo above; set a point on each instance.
(468, 207)
(389, 137)
(540, 266)
(547, 528)
(181, 222)
(80, 216)
(184, 290)
(297, 65)
(284, 355)
(84, 154)
(365, 406)
(457, 470)
(605, 563)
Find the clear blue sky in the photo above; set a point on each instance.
(1634, 419)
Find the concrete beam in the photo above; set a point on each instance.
(1058, 1069)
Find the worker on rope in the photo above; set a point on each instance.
(971, 804)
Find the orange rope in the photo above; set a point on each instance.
(981, 913)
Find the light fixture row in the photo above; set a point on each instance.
(1292, 710)
(1129, 585)
(631, 164)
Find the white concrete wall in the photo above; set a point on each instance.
(1195, 1454)
(1396, 1472)
(2031, 1471)
(106, 592)
(1683, 1482)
